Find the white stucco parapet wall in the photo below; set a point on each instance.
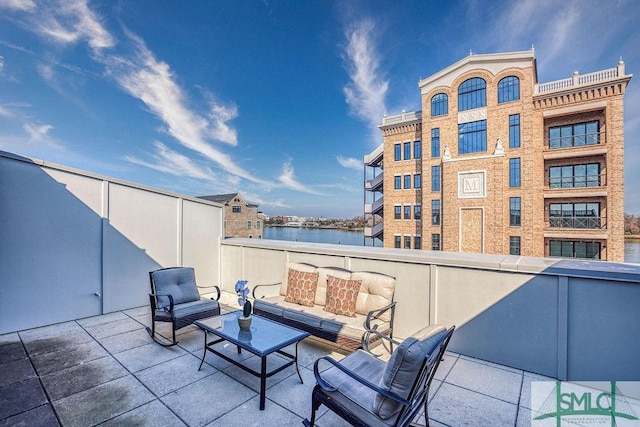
(626, 272)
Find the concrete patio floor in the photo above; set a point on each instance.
(106, 370)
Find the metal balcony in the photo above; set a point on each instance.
(374, 184)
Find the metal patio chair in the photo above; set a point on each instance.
(366, 391)
(175, 298)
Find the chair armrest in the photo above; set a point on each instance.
(327, 387)
(366, 339)
(375, 314)
(209, 287)
(153, 298)
(255, 288)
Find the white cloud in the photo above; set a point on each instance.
(1, 63)
(18, 4)
(365, 93)
(151, 81)
(5, 112)
(37, 132)
(350, 163)
(69, 21)
(168, 161)
(287, 178)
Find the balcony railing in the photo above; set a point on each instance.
(374, 184)
(582, 80)
(403, 117)
(576, 140)
(375, 231)
(576, 181)
(581, 222)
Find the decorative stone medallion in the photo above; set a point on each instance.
(472, 184)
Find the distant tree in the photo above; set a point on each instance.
(631, 224)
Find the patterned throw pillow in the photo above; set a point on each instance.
(342, 295)
(301, 287)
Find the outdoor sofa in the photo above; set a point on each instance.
(331, 303)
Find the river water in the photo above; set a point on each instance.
(355, 238)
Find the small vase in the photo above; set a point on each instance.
(244, 323)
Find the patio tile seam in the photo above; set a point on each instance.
(44, 390)
(481, 393)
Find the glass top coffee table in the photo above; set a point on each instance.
(264, 338)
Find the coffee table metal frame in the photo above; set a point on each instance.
(226, 328)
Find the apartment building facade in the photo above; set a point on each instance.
(496, 162)
(241, 218)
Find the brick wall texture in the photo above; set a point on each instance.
(482, 223)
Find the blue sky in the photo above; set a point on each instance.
(278, 100)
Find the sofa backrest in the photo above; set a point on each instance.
(376, 290)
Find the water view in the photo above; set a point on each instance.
(356, 238)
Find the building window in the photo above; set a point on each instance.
(435, 212)
(574, 249)
(257, 225)
(417, 149)
(472, 137)
(407, 181)
(417, 180)
(396, 241)
(397, 212)
(575, 135)
(236, 209)
(575, 215)
(435, 142)
(407, 150)
(472, 94)
(407, 212)
(417, 242)
(514, 131)
(248, 225)
(514, 245)
(514, 172)
(508, 89)
(439, 104)
(417, 212)
(514, 211)
(435, 178)
(397, 151)
(397, 182)
(407, 242)
(575, 176)
(435, 242)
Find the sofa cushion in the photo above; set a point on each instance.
(301, 287)
(180, 283)
(403, 367)
(342, 296)
(323, 276)
(376, 292)
(300, 266)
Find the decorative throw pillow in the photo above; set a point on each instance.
(342, 295)
(301, 287)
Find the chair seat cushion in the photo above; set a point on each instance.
(403, 368)
(356, 397)
(188, 312)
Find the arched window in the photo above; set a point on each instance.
(508, 89)
(472, 93)
(439, 104)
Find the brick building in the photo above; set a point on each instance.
(241, 218)
(496, 162)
